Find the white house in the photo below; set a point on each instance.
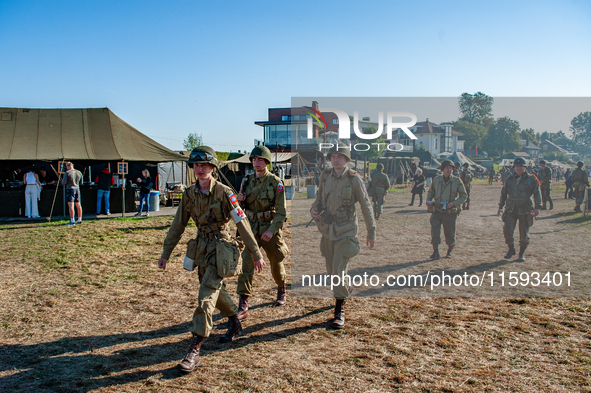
(436, 138)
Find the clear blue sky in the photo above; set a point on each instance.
(176, 67)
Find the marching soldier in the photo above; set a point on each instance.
(457, 170)
(263, 197)
(545, 178)
(580, 179)
(491, 175)
(445, 196)
(334, 212)
(466, 176)
(381, 184)
(211, 205)
(516, 198)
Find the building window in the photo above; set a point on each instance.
(285, 118)
(435, 143)
(335, 121)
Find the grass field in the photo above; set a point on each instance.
(85, 309)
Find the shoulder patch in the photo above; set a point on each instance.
(280, 187)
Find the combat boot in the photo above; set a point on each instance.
(233, 330)
(551, 205)
(281, 296)
(435, 254)
(242, 312)
(339, 315)
(511, 252)
(578, 208)
(449, 250)
(521, 252)
(192, 359)
(468, 206)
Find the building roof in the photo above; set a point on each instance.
(521, 154)
(75, 134)
(426, 127)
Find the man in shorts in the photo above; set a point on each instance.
(72, 179)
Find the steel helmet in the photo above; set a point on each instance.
(339, 148)
(203, 154)
(445, 163)
(261, 152)
(519, 161)
(380, 167)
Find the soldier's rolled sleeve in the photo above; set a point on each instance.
(461, 190)
(177, 228)
(249, 239)
(366, 208)
(280, 213)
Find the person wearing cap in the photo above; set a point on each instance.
(545, 178)
(580, 180)
(212, 206)
(381, 184)
(466, 176)
(339, 189)
(516, 196)
(445, 196)
(262, 195)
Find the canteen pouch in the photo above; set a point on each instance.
(228, 257)
(189, 261)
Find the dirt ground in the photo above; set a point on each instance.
(86, 309)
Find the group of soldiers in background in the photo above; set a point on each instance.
(258, 210)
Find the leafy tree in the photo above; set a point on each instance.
(421, 147)
(476, 108)
(375, 150)
(581, 129)
(503, 136)
(474, 134)
(192, 141)
(557, 155)
(528, 134)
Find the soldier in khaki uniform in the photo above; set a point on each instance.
(516, 198)
(211, 205)
(380, 184)
(466, 176)
(545, 178)
(491, 175)
(334, 212)
(263, 197)
(445, 196)
(580, 180)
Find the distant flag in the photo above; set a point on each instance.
(476, 149)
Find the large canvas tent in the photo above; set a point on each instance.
(91, 134)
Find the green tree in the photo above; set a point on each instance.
(192, 141)
(376, 146)
(581, 129)
(476, 108)
(421, 147)
(529, 133)
(474, 134)
(503, 136)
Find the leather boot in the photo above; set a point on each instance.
(233, 330)
(192, 359)
(435, 254)
(511, 252)
(449, 250)
(242, 312)
(521, 258)
(339, 315)
(281, 296)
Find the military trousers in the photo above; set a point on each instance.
(545, 191)
(337, 254)
(468, 187)
(579, 192)
(378, 200)
(276, 251)
(448, 220)
(525, 222)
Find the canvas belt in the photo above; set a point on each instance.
(260, 216)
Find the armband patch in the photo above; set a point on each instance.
(237, 214)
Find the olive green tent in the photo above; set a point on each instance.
(75, 134)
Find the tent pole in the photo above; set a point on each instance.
(123, 195)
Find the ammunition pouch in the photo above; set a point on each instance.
(229, 257)
(265, 216)
(343, 227)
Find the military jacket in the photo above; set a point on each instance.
(452, 190)
(264, 194)
(545, 177)
(466, 175)
(380, 180)
(580, 176)
(517, 192)
(212, 213)
(336, 200)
